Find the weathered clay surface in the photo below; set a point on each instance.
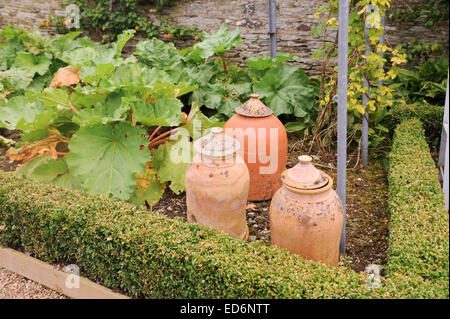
(216, 195)
(261, 152)
(304, 220)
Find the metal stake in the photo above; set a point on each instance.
(365, 119)
(342, 112)
(383, 23)
(273, 28)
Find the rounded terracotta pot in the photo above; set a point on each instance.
(217, 184)
(306, 214)
(263, 141)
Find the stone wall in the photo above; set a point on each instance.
(28, 14)
(294, 23)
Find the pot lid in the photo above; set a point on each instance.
(304, 175)
(216, 144)
(254, 108)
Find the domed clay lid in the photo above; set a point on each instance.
(304, 175)
(216, 144)
(253, 108)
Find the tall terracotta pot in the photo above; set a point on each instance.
(306, 214)
(263, 142)
(217, 183)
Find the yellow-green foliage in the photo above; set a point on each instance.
(419, 225)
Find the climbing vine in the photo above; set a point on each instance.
(380, 64)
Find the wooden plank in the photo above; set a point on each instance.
(49, 276)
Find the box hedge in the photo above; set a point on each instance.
(430, 115)
(149, 255)
(419, 224)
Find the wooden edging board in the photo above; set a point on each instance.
(47, 275)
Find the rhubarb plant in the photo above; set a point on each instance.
(94, 120)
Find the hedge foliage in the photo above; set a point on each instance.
(430, 115)
(149, 255)
(419, 225)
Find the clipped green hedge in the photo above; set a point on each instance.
(149, 255)
(430, 115)
(419, 224)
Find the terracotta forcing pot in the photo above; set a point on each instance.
(263, 142)
(217, 183)
(306, 214)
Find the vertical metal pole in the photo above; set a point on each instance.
(273, 28)
(365, 119)
(383, 23)
(342, 112)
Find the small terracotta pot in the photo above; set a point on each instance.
(263, 142)
(306, 214)
(217, 183)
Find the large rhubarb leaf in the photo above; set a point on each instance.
(9, 51)
(217, 43)
(14, 79)
(32, 63)
(156, 53)
(112, 110)
(285, 89)
(163, 112)
(106, 158)
(24, 113)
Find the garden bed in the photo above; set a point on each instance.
(367, 218)
(149, 255)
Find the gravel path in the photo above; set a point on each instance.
(13, 286)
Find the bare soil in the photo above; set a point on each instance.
(5, 164)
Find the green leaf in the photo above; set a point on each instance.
(47, 170)
(197, 122)
(112, 110)
(295, 126)
(106, 157)
(159, 54)
(163, 112)
(217, 43)
(32, 64)
(123, 38)
(266, 62)
(64, 43)
(169, 169)
(318, 29)
(285, 89)
(15, 79)
(24, 113)
(9, 51)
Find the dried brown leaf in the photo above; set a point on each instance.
(66, 76)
